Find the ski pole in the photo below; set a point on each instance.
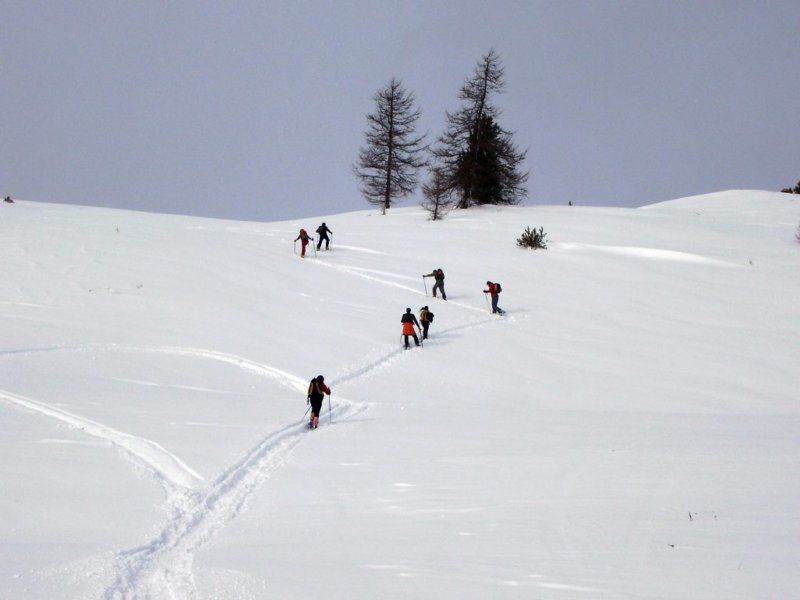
(422, 345)
(425, 285)
(315, 247)
(305, 413)
(295, 246)
(330, 417)
(486, 297)
(330, 242)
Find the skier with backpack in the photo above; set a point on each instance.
(438, 276)
(494, 291)
(303, 237)
(426, 318)
(409, 321)
(316, 393)
(322, 234)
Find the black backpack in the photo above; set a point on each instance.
(430, 317)
(499, 287)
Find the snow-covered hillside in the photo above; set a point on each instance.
(630, 429)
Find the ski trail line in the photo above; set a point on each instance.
(161, 462)
(358, 273)
(386, 358)
(163, 567)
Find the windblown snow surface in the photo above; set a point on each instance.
(630, 429)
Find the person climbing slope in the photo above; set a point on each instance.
(494, 291)
(322, 234)
(316, 393)
(426, 318)
(409, 320)
(303, 237)
(438, 276)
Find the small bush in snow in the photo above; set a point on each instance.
(533, 239)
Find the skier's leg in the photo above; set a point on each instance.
(416, 339)
(441, 287)
(405, 336)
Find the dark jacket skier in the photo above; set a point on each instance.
(322, 234)
(409, 320)
(438, 275)
(316, 393)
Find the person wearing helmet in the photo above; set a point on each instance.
(438, 276)
(316, 393)
(322, 234)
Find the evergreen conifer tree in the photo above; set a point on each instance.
(479, 160)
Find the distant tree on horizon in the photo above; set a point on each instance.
(437, 195)
(389, 162)
(795, 190)
(478, 159)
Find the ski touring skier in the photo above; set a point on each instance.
(426, 318)
(303, 237)
(438, 276)
(316, 393)
(494, 291)
(8, 199)
(409, 321)
(322, 234)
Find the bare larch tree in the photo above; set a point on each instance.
(389, 162)
(437, 194)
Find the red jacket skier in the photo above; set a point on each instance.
(303, 237)
(494, 290)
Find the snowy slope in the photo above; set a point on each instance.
(629, 430)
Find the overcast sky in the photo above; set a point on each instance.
(256, 110)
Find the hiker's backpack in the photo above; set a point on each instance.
(439, 274)
(430, 317)
(498, 287)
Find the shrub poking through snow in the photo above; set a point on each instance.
(533, 239)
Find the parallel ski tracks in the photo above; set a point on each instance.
(163, 568)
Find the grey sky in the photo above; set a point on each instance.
(256, 110)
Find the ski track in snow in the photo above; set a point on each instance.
(168, 468)
(163, 568)
(359, 272)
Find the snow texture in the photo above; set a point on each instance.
(629, 429)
